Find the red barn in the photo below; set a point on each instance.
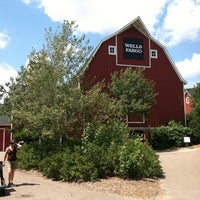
(5, 135)
(188, 102)
(133, 46)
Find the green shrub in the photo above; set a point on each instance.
(26, 136)
(103, 151)
(32, 154)
(101, 146)
(28, 157)
(50, 166)
(69, 166)
(168, 136)
(137, 160)
(105, 134)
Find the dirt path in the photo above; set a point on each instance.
(182, 182)
(32, 185)
(182, 172)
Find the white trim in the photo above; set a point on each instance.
(187, 92)
(170, 60)
(139, 25)
(113, 48)
(128, 65)
(153, 51)
(184, 104)
(135, 122)
(187, 100)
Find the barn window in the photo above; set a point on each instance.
(112, 50)
(187, 100)
(154, 53)
(140, 119)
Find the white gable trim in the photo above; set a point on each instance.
(139, 25)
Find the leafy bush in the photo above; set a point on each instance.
(26, 136)
(29, 157)
(101, 145)
(69, 166)
(168, 136)
(32, 154)
(50, 166)
(103, 151)
(137, 160)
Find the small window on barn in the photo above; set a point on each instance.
(187, 100)
(112, 50)
(154, 53)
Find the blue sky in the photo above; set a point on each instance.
(174, 23)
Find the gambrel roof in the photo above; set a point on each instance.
(139, 25)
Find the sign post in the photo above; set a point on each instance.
(187, 140)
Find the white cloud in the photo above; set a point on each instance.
(6, 72)
(170, 21)
(190, 68)
(103, 16)
(4, 39)
(180, 22)
(27, 2)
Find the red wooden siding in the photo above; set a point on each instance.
(169, 101)
(188, 103)
(5, 137)
(168, 83)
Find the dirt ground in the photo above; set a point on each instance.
(182, 182)
(181, 169)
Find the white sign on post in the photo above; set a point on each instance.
(187, 139)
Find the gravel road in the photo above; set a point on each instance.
(182, 182)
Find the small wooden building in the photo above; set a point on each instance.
(5, 132)
(188, 102)
(133, 46)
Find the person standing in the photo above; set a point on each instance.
(10, 159)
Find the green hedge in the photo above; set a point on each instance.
(137, 160)
(169, 136)
(102, 152)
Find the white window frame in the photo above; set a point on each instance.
(135, 122)
(154, 51)
(187, 100)
(110, 50)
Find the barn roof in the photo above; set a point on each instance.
(139, 25)
(186, 91)
(4, 120)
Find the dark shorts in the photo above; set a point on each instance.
(12, 164)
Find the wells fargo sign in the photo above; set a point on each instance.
(133, 48)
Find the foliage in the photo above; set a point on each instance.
(69, 166)
(135, 92)
(137, 160)
(104, 151)
(101, 145)
(172, 135)
(46, 104)
(43, 97)
(195, 114)
(96, 108)
(33, 153)
(26, 136)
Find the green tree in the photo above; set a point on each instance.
(43, 97)
(195, 114)
(136, 93)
